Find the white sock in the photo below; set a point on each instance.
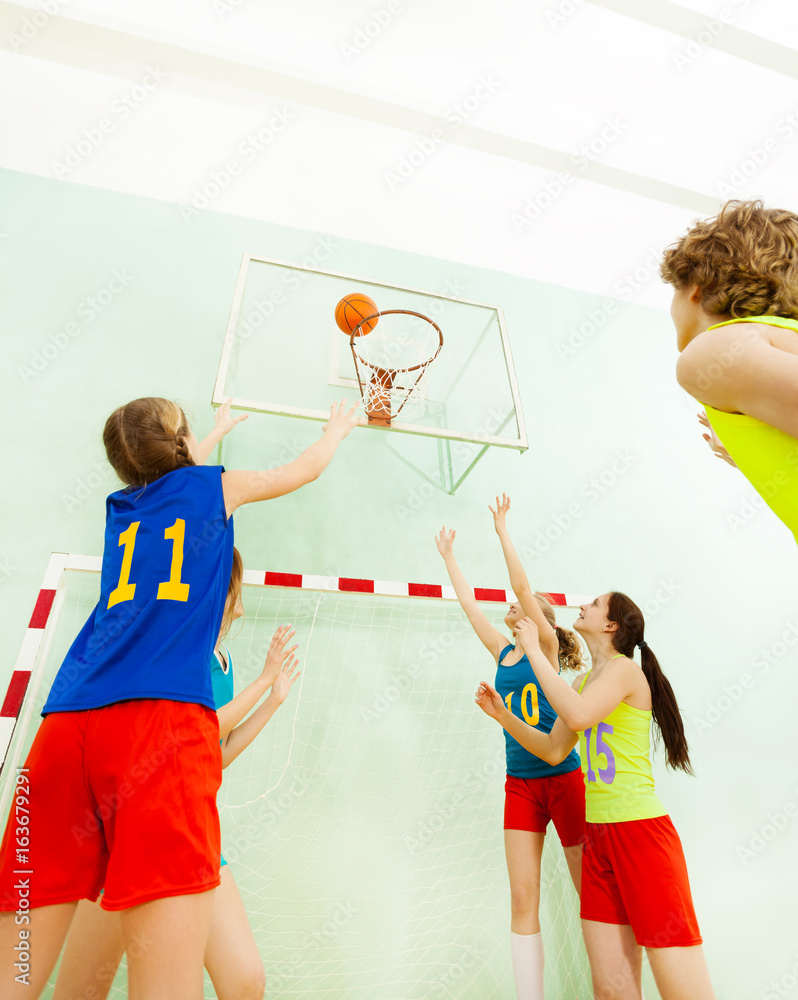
(527, 950)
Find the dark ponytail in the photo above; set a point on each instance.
(664, 709)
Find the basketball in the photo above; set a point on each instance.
(352, 309)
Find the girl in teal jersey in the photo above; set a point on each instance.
(735, 309)
(635, 889)
(535, 792)
(95, 944)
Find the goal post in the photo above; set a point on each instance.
(364, 824)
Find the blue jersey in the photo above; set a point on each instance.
(166, 569)
(518, 687)
(222, 680)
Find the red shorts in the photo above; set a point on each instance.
(635, 873)
(122, 797)
(530, 803)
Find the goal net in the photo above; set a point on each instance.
(364, 824)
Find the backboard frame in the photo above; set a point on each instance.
(519, 443)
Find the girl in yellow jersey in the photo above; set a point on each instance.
(735, 308)
(635, 890)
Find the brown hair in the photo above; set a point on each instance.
(233, 593)
(664, 709)
(744, 260)
(570, 651)
(146, 439)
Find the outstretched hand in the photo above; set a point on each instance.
(224, 422)
(528, 635)
(277, 654)
(285, 679)
(500, 514)
(342, 420)
(445, 542)
(714, 441)
(488, 700)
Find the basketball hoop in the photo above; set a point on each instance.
(387, 390)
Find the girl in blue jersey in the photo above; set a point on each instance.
(535, 792)
(95, 944)
(124, 769)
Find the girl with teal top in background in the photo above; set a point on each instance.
(735, 309)
(95, 945)
(635, 890)
(536, 791)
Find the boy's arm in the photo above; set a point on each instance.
(518, 579)
(244, 486)
(490, 637)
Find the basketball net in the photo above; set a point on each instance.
(393, 363)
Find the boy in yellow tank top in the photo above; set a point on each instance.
(735, 308)
(635, 890)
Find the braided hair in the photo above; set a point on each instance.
(147, 438)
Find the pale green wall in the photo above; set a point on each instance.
(719, 595)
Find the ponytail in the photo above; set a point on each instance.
(570, 651)
(146, 439)
(664, 708)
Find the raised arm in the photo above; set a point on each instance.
(241, 737)
(490, 637)
(552, 747)
(578, 711)
(244, 486)
(224, 423)
(519, 583)
(234, 711)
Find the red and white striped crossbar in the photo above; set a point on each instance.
(60, 561)
(383, 588)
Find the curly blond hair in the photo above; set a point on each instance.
(570, 651)
(744, 260)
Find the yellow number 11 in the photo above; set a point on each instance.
(170, 590)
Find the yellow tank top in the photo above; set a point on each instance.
(616, 765)
(767, 457)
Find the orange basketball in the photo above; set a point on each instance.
(352, 309)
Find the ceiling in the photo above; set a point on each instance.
(563, 140)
